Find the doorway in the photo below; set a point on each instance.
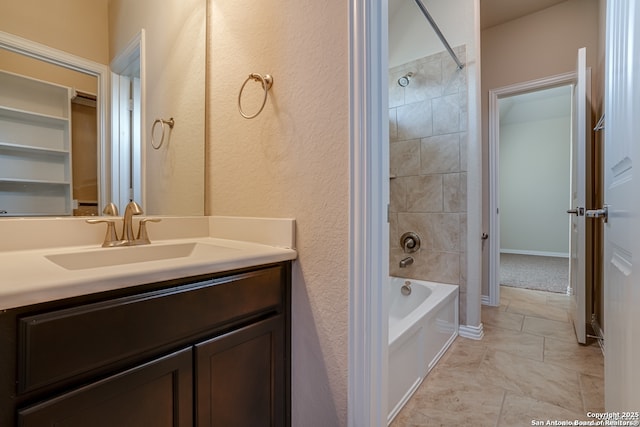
(535, 189)
(128, 77)
(530, 173)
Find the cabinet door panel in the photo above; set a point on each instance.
(158, 393)
(240, 377)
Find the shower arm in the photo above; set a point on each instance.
(444, 41)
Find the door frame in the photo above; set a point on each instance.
(493, 299)
(368, 201)
(368, 215)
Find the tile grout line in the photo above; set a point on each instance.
(582, 396)
(504, 397)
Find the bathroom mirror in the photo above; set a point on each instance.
(172, 60)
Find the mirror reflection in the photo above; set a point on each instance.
(47, 112)
(76, 163)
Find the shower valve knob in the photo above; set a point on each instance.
(410, 242)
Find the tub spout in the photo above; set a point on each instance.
(406, 261)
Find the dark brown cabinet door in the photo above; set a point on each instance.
(240, 377)
(158, 393)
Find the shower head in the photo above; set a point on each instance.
(404, 80)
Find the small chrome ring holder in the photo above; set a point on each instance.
(266, 81)
(162, 122)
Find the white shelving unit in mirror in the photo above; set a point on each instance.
(35, 147)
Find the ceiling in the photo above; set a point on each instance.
(496, 12)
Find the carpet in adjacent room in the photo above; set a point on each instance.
(542, 273)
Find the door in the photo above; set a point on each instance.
(240, 377)
(580, 135)
(622, 231)
(158, 393)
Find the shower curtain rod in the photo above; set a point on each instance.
(444, 41)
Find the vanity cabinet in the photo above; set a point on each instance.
(247, 362)
(157, 393)
(35, 147)
(210, 350)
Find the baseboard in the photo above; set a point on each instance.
(535, 253)
(486, 300)
(471, 332)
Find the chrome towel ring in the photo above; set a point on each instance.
(162, 122)
(266, 81)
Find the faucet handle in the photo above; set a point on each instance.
(143, 236)
(410, 242)
(111, 209)
(134, 208)
(111, 238)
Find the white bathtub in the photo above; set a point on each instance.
(422, 326)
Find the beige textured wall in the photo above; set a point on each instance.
(175, 87)
(291, 161)
(75, 26)
(535, 46)
(49, 23)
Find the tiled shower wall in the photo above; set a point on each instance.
(428, 140)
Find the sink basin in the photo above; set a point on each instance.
(110, 257)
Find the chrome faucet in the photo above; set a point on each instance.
(127, 237)
(410, 243)
(406, 262)
(127, 223)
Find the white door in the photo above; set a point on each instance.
(580, 135)
(622, 232)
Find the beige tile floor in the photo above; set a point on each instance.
(527, 367)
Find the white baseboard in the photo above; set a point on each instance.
(487, 301)
(471, 332)
(535, 253)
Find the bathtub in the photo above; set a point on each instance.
(422, 326)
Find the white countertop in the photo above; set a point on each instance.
(29, 277)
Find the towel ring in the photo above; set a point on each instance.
(162, 122)
(266, 81)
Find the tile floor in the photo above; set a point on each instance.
(527, 367)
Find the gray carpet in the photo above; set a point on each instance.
(542, 273)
